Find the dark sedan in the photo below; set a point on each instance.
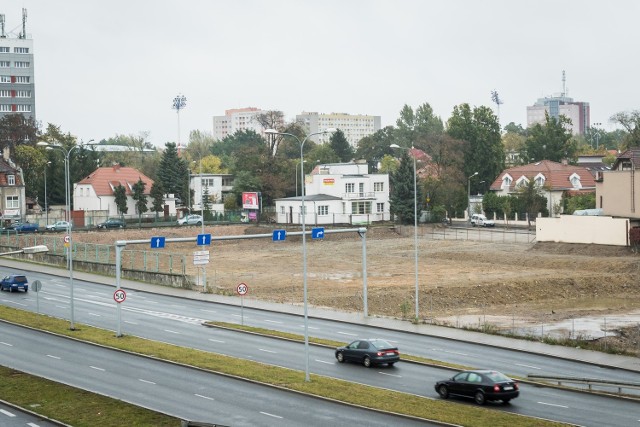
(112, 223)
(369, 352)
(481, 385)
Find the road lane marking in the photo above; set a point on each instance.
(208, 311)
(145, 381)
(553, 404)
(220, 341)
(19, 303)
(130, 322)
(176, 306)
(391, 375)
(96, 368)
(33, 425)
(323, 361)
(171, 332)
(449, 351)
(270, 415)
(345, 333)
(62, 306)
(204, 397)
(273, 321)
(267, 351)
(54, 357)
(7, 413)
(6, 343)
(527, 366)
(95, 314)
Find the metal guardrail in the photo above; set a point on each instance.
(590, 382)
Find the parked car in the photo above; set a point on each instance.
(26, 227)
(113, 223)
(58, 226)
(481, 221)
(14, 282)
(191, 219)
(481, 385)
(369, 352)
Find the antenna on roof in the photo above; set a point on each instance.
(564, 84)
(2, 34)
(24, 24)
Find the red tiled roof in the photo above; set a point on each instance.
(5, 170)
(632, 154)
(556, 175)
(104, 180)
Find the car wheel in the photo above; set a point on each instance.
(506, 401)
(199, 223)
(390, 364)
(443, 391)
(121, 226)
(479, 398)
(366, 361)
(340, 357)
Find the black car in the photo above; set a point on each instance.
(112, 223)
(481, 385)
(369, 352)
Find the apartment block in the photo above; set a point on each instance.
(235, 120)
(355, 127)
(17, 86)
(557, 105)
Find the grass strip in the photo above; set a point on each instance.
(330, 388)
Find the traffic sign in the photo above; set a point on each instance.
(204, 239)
(36, 285)
(119, 295)
(279, 235)
(67, 239)
(242, 289)
(317, 233)
(200, 257)
(157, 242)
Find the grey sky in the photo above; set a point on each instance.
(107, 68)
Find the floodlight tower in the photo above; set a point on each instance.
(179, 102)
(496, 99)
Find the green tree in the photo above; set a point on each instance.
(574, 202)
(32, 161)
(322, 153)
(15, 130)
(550, 141)
(140, 198)
(374, 147)
(531, 198)
(388, 164)
(173, 173)
(338, 142)
(157, 198)
(402, 190)
(415, 127)
(515, 129)
(121, 199)
(630, 121)
(206, 205)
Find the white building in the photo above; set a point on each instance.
(218, 186)
(558, 105)
(354, 127)
(235, 120)
(340, 193)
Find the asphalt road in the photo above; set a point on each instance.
(12, 417)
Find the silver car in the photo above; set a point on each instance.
(58, 226)
(192, 219)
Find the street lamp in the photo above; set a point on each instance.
(67, 189)
(304, 240)
(415, 222)
(46, 206)
(469, 195)
(297, 177)
(597, 133)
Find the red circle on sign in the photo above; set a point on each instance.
(242, 289)
(119, 296)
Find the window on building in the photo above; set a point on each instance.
(506, 182)
(23, 108)
(227, 182)
(380, 207)
(282, 210)
(349, 187)
(12, 202)
(5, 108)
(5, 93)
(20, 50)
(360, 208)
(323, 210)
(4, 49)
(11, 179)
(23, 94)
(22, 79)
(5, 79)
(378, 186)
(575, 181)
(22, 64)
(5, 64)
(207, 182)
(540, 181)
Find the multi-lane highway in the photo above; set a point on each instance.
(12, 417)
(176, 320)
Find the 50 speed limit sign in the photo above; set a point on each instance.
(242, 289)
(119, 296)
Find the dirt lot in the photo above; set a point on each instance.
(539, 282)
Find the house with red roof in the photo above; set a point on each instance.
(96, 192)
(555, 178)
(12, 195)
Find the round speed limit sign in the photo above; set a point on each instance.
(119, 296)
(242, 289)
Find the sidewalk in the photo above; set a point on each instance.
(587, 356)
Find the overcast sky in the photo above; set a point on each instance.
(114, 67)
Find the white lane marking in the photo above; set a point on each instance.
(59, 285)
(208, 311)
(267, 351)
(19, 303)
(152, 302)
(552, 404)
(311, 327)
(130, 322)
(323, 361)
(204, 397)
(171, 332)
(345, 333)
(527, 366)
(391, 375)
(95, 314)
(442, 350)
(176, 306)
(7, 413)
(97, 369)
(33, 425)
(270, 415)
(62, 306)
(6, 343)
(54, 357)
(220, 341)
(145, 381)
(273, 321)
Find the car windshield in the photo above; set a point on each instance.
(380, 344)
(497, 377)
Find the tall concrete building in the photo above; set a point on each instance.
(557, 105)
(17, 86)
(235, 120)
(355, 127)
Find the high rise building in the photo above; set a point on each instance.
(557, 105)
(17, 86)
(354, 127)
(235, 120)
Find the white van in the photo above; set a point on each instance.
(481, 221)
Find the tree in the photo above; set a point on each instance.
(15, 130)
(173, 173)
(416, 127)
(516, 129)
(374, 147)
(206, 204)
(32, 161)
(550, 141)
(338, 142)
(272, 119)
(121, 199)
(210, 164)
(140, 198)
(530, 195)
(388, 164)
(402, 190)
(157, 198)
(630, 121)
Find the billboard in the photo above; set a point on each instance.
(250, 201)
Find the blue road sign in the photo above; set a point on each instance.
(157, 242)
(204, 239)
(317, 233)
(279, 235)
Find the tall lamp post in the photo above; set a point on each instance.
(304, 240)
(46, 205)
(67, 188)
(597, 133)
(469, 195)
(415, 223)
(179, 102)
(297, 177)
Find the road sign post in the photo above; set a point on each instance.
(242, 290)
(119, 296)
(37, 285)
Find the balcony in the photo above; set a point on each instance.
(359, 196)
